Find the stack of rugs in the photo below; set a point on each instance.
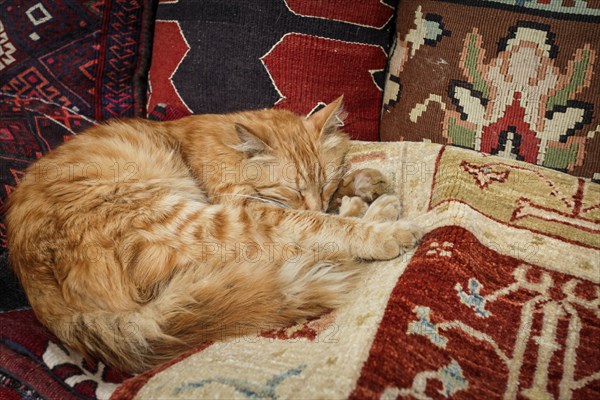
(493, 111)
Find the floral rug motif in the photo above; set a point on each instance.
(518, 79)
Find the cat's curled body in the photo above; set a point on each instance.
(137, 240)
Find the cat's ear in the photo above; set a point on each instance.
(330, 117)
(249, 144)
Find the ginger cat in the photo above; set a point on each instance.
(137, 240)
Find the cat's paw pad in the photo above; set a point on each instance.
(368, 184)
(353, 207)
(408, 233)
(392, 238)
(386, 208)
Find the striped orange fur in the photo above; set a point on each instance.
(138, 240)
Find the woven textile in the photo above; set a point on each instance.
(215, 56)
(35, 365)
(519, 79)
(88, 56)
(500, 300)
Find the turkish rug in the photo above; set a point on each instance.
(91, 57)
(501, 300)
(514, 78)
(224, 56)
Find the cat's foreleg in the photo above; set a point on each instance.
(370, 240)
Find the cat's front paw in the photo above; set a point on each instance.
(353, 207)
(386, 208)
(390, 239)
(368, 184)
(408, 233)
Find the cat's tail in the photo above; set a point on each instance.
(190, 311)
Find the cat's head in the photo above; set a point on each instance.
(293, 161)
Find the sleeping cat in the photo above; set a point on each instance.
(138, 240)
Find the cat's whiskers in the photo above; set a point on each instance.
(346, 173)
(261, 199)
(336, 174)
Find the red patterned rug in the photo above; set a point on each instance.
(467, 322)
(223, 56)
